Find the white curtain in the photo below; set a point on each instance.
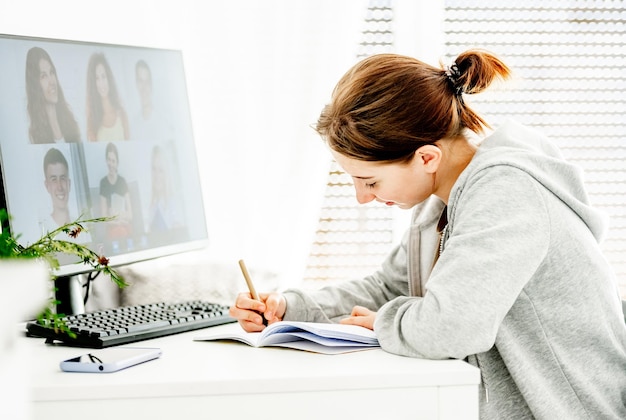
(266, 74)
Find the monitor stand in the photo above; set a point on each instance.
(69, 294)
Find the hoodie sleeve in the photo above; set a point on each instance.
(496, 239)
(332, 303)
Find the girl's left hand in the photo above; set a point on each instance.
(360, 316)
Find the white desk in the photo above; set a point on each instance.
(201, 380)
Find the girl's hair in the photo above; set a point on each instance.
(40, 130)
(95, 109)
(387, 106)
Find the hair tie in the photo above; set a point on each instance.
(453, 74)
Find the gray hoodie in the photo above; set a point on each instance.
(521, 289)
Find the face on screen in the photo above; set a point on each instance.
(102, 82)
(112, 163)
(48, 81)
(58, 185)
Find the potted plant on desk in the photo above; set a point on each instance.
(45, 251)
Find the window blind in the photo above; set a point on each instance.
(352, 239)
(569, 60)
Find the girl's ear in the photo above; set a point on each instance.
(429, 157)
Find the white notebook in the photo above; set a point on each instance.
(309, 336)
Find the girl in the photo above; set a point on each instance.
(51, 118)
(501, 265)
(106, 117)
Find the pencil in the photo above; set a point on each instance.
(253, 292)
(246, 276)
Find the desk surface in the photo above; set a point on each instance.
(193, 374)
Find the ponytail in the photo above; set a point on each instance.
(472, 72)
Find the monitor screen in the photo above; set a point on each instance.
(90, 130)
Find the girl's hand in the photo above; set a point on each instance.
(249, 312)
(360, 316)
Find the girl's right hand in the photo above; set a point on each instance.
(249, 312)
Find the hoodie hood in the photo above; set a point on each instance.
(521, 147)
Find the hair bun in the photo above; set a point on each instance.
(478, 69)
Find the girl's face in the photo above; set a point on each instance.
(48, 81)
(102, 82)
(395, 184)
(112, 163)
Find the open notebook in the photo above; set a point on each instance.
(309, 336)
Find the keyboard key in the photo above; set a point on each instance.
(146, 326)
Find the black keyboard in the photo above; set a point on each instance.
(129, 324)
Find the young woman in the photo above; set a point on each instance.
(106, 117)
(501, 265)
(51, 119)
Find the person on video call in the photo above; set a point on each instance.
(144, 119)
(165, 212)
(51, 119)
(115, 197)
(106, 117)
(58, 184)
(149, 123)
(502, 264)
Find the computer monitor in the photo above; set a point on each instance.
(92, 129)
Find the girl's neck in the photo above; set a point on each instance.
(457, 154)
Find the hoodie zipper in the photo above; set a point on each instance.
(442, 229)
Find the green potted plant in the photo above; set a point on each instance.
(47, 249)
